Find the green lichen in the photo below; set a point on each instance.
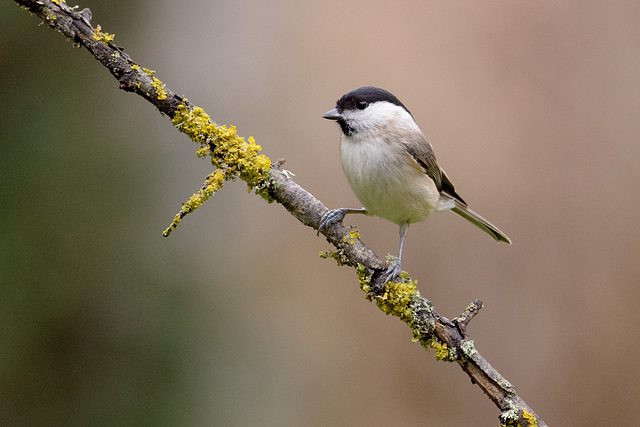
(508, 388)
(265, 187)
(391, 259)
(421, 329)
(100, 36)
(338, 255)
(469, 349)
(423, 326)
(509, 416)
(398, 300)
(160, 89)
(443, 352)
(364, 280)
(232, 156)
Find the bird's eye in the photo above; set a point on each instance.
(361, 105)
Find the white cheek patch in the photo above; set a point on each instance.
(378, 115)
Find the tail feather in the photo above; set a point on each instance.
(480, 222)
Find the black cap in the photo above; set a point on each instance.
(368, 94)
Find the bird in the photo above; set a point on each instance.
(391, 167)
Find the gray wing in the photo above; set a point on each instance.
(421, 150)
(447, 187)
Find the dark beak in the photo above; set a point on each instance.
(332, 115)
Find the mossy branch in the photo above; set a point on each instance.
(234, 157)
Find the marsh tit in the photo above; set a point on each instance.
(391, 167)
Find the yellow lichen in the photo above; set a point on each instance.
(231, 155)
(58, 2)
(442, 351)
(100, 36)
(228, 151)
(396, 299)
(212, 184)
(352, 237)
(159, 87)
(530, 418)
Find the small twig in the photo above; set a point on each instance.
(469, 313)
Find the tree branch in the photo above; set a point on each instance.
(234, 157)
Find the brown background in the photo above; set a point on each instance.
(235, 320)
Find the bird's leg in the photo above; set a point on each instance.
(337, 215)
(394, 270)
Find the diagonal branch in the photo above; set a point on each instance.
(432, 330)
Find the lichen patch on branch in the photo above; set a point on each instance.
(159, 87)
(100, 36)
(396, 298)
(233, 156)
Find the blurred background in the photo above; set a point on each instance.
(234, 320)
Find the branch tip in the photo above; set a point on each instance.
(469, 313)
(278, 164)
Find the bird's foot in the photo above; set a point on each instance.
(331, 217)
(392, 272)
(389, 275)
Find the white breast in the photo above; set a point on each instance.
(388, 182)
